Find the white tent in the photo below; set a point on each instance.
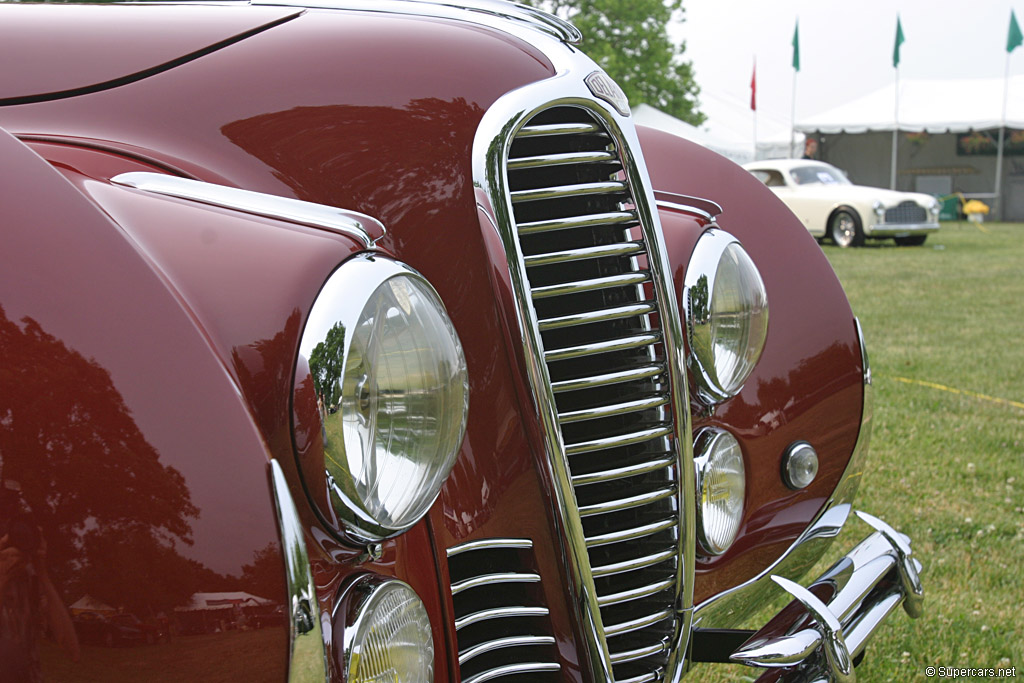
(718, 135)
(223, 600)
(929, 106)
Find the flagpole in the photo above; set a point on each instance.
(792, 122)
(793, 152)
(896, 100)
(1002, 131)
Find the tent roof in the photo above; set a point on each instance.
(224, 600)
(935, 106)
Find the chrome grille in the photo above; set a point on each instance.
(501, 622)
(597, 315)
(907, 212)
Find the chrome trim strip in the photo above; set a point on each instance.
(900, 229)
(639, 653)
(681, 202)
(499, 613)
(307, 656)
(606, 379)
(632, 565)
(501, 577)
(627, 503)
(652, 677)
(611, 218)
(637, 624)
(619, 440)
(560, 159)
(624, 408)
(491, 544)
(561, 191)
(559, 129)
(635, 593)
(623, 280)
(514, 669)
(501, 15)
(604, 251)
(364, 229)
(620, 344)
(499, 643)
(490, 156)
(617, 313)
(652, 465)
(728, 607)
(631, 534)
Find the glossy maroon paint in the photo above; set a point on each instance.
(107, 45)
(807, 385)
(346, 109)
(129, 442)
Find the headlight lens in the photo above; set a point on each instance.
(392, 392)
(727, 315)
(386, 634)
(721, 487)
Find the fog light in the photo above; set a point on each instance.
(799, 465)
(386, 633)
(721, 487)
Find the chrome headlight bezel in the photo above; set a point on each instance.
(717, 451)
(350, 411)
(702, 274)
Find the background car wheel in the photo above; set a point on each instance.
(911, 241)
(844, 228)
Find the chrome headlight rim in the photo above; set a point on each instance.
(705, 449)
(342, 300)
(704, 265)
(354, 612)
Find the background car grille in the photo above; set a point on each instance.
(906, 212)
(586, 264)
(501, 622)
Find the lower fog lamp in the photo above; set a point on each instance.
(721, 488)
(386, 633)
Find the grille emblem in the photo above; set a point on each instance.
(608, 90)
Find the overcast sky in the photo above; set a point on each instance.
(846, 50)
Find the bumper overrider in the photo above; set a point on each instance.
(822, 632)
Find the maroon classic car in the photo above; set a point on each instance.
(372, 341)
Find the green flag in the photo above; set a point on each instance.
(899, 41)
(1014, 38)
(796, 46)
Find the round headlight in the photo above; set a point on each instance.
(721, 487)
(727, 315)
(386, 633)
(392, 392)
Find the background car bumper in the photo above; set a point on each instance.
(901, 229)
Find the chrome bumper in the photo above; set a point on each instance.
(901, 229)
(810, 640)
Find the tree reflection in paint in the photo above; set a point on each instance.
(70, 444)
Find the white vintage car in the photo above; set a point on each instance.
(832, 207)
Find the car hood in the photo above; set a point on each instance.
(853, 193)
(90, 47)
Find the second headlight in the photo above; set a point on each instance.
(392, 391)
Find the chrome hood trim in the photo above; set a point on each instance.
(493, 13)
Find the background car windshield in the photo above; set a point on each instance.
(818, 174)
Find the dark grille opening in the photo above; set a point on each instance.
(501, 620)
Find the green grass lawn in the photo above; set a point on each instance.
(945, 331)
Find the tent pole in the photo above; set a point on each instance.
(895, 132)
